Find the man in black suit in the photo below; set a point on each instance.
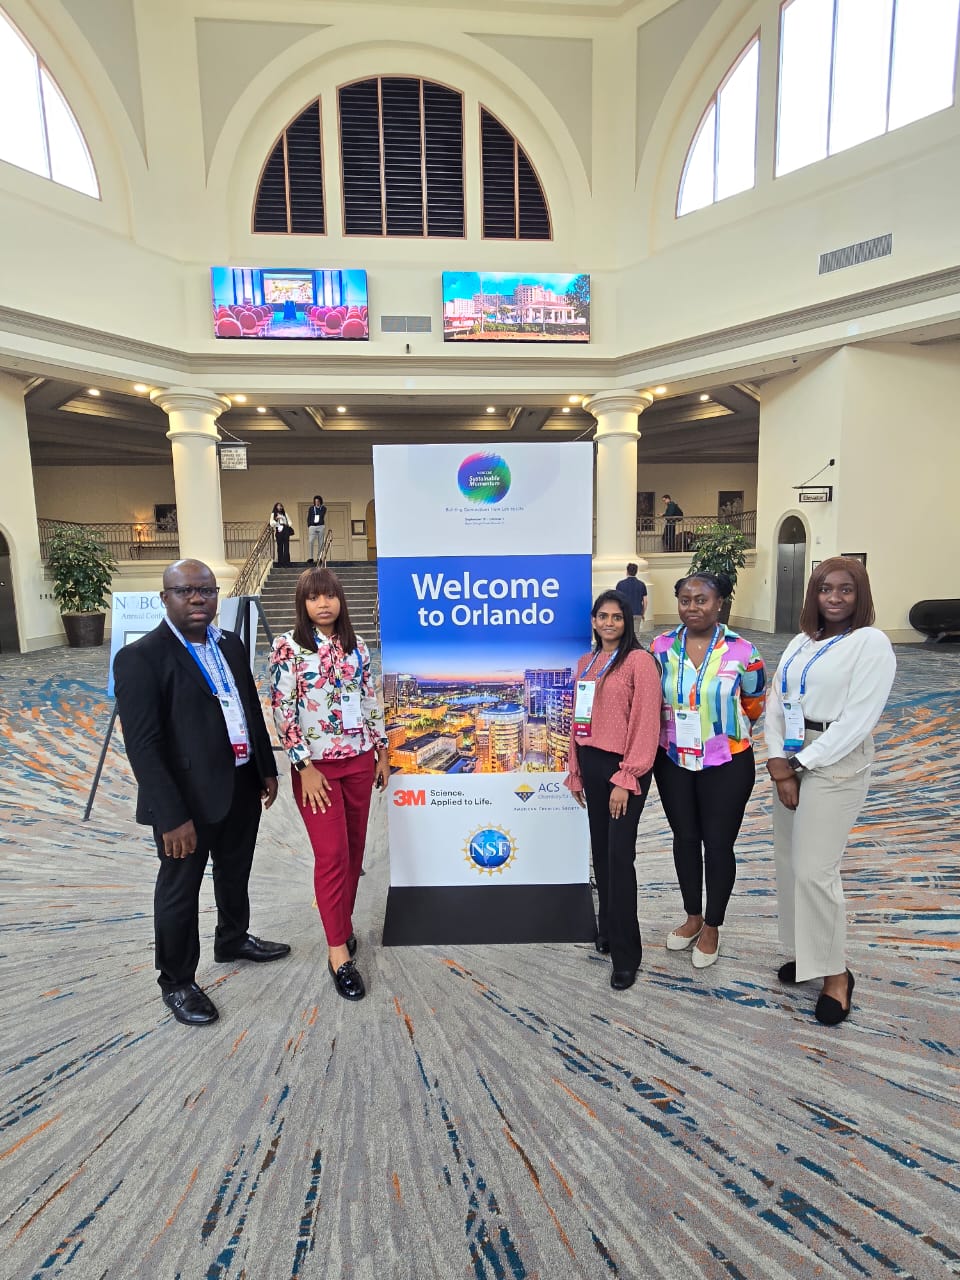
(196, 740)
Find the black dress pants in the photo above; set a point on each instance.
(230, 844)
(705, 809)
(613, 843)
(283, 546)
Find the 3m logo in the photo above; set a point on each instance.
(409, 798)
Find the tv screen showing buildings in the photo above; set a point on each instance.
(487, 307)
(253, 302)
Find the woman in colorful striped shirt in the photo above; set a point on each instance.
(713, 691)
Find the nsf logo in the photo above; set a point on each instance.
(490, 850)
(484, 478)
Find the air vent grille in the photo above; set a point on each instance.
(852, 255)
(405, 324)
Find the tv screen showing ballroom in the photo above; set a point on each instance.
(499, 307)
(288, 302)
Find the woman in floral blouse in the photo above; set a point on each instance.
(330, 720)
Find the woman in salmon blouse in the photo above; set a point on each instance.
(713, 691)
(613, 742)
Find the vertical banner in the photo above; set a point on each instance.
(484, 565)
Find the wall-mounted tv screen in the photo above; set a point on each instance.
(484, 306)
(289, 302)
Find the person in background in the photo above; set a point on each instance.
(672, 515)
(634, 590)
(329, 718)
(283, 531)
(316, 527)
(829, 692)
(613, 742)
(713, 691)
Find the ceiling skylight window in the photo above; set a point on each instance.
(851, 70)
(38, 130)
(722, 159)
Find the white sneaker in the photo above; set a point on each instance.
(701, 960)
(678, 942)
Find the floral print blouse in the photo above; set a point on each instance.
(305, 695)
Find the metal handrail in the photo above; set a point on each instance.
(256, 566)
(325, 546)
(147, 540)
(655, 534)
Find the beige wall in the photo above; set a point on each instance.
(694, 485)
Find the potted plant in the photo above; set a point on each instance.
(719, 548)
(82, 571)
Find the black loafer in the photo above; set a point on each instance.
(352, 945)
(788, 972)
(347, 980)
(621, 979)
(191, 1006)
(831, 1012)
(251, 948)
(602, 944)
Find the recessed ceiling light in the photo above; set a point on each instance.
(261, 408)
(92, 391)
(575, 399)
(491, 409)
(565, 409)
(704, 398)
(239, 399)
(341, 408)
(659, 391)
(140, 387)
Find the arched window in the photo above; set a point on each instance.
(722, 158)
(851, 70)
(402, 168)
(37, 129)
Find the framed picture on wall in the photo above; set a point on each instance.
(358, 528)
(855, 555)
(645, 511)
(165, 516)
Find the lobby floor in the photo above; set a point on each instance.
(487, 1111)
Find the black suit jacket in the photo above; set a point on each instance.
(174, 730)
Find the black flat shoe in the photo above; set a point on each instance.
(352, 945)
(621, 979)
(831, 1012)
(788, 972)
(602, 944)
(191, 1006)
(251, 948)
(347, 980)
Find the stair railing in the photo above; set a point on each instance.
(256, 566)
(325, 548)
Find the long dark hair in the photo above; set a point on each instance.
(320, 581)
(278, 507)
(811, 619)
(628, 640)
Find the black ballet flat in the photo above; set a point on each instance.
(831, 1012)
(788, 972)
(347, 980)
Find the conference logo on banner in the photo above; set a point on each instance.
(479, 646)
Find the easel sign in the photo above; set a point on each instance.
(134, 614)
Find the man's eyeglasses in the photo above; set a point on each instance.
(184, 593)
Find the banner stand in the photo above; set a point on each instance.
(425, 915)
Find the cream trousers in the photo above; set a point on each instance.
(808, 843)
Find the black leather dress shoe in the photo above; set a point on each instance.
(352, 945)
(191, 1006)
(347, 980)
(788, 972)
(621, 979)
(831, 1012)
(602, 944)
(251, 948)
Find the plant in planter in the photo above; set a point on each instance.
(82, 570)
(719, 548)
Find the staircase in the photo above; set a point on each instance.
(359, 579)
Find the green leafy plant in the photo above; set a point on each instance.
(719, 548)
(82, 569)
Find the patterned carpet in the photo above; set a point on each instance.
(488, 1112)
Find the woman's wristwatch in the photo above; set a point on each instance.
(301, 765)
(796, 766)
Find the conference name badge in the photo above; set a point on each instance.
(689, 736)
(794, 726)
(350, 710)
(583, 707)
(236, 725)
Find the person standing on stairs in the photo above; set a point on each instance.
(316, 528)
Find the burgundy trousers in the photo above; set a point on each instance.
(338, 837)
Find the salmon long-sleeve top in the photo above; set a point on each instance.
(625, 719)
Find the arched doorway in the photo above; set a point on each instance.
(9, 636)
(791, 574)
(371, 517)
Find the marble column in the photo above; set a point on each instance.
(617, 434)
(193, 437)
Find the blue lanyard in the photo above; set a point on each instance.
(606, 665)
(217, 662)
(702, 673)
(803, 673)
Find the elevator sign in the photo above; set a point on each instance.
(813, 494)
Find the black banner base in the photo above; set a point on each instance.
(489, 914)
